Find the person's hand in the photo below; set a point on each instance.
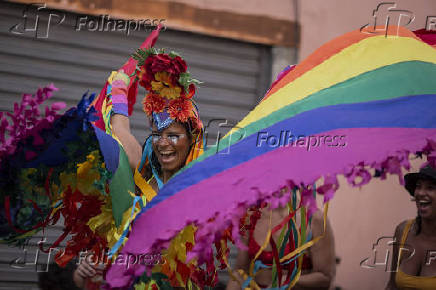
(121, 76)
(85, 270)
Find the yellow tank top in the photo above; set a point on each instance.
(404, 280)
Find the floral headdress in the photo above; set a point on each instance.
(170, 87)
(169, 98)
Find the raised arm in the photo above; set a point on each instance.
(322, 255)
(120, 121)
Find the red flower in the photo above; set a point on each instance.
(190, 93)
(159, 63)
(179, 65)
(180, 109)
(153, 103)
(145, 79)
(162, 62)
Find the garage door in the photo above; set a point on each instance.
(235, 75)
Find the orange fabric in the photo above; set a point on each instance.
(331, 48)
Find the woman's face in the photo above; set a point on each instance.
(425, 196)
(171, 146)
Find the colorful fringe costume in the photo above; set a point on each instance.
(359, 107)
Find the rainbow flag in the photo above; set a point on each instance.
(358, 107)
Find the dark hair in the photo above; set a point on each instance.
(418, 219)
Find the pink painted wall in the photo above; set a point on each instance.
(323, 20)
(360, 217)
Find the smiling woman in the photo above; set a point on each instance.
(417, 270)
(171, 147)
(176, 140)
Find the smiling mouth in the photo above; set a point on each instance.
(422, 204)
(167, 156)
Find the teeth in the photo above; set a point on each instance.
(424, 202)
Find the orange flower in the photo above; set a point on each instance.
(164, 86)
(153, 103)
(180, 109)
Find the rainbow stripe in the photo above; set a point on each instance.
(358, 100)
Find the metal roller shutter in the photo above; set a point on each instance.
(235, 75)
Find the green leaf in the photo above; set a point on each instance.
(173, 54)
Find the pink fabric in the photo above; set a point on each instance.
(260, 178)
(119, 99)
(428, 36)
(118, 84)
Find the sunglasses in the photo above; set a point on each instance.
(171, 138)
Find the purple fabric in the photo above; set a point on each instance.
(109, 148)
(258, 179)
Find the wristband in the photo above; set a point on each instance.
(119, 97)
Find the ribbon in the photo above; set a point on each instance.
(142, 202)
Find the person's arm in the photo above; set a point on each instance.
(397, 239)
(322, 255)
(242, 262)
(120, 120)
(121, 129)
